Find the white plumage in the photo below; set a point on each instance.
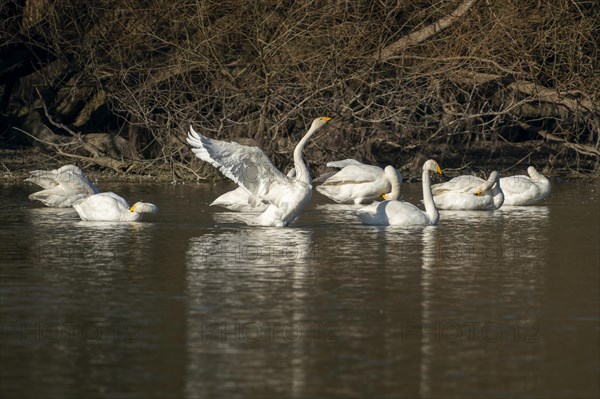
(469, 193)
(398, 213)
(239, 200)
(109, 207)
(525, 190)
(62, 187)
(250, 168)
(356, 182)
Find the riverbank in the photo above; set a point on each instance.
(551, 159)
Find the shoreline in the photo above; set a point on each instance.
(16, 163)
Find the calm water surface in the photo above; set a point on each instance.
(193, 303)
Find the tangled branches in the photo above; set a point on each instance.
(405, 75)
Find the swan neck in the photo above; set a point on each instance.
(498, 196)
(430, 209)
(486, 185)
(396, 182)
(302, 172)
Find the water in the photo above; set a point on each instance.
(193, 303)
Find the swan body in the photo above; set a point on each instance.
(525, 190)
(250, 168)
(355, 182)
(109, 207)
(239, 200)
(469, 193)
(62, 187)
(399, 213)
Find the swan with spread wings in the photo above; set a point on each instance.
(239, 200)
(62, 187)
(250, 168)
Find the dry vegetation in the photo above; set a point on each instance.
(116, 83)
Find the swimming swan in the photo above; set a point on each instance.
(469, 193)
(250, 168)
(525, 190)
(398, 213)
(62, 187)
(109, 207)
(239, 200)
(356, 182)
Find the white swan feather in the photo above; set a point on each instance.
(356, 182)
(525, 190)
(468, 192)
(110, 207)
(239, 200)
(250, 168)
(399, 213)
(62, 187)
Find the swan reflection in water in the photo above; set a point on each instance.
(241, 281)
(51, 216)
(452, 324)
(534, 212)
(339, 213)
(452, 216)
(244, 247)
(60, 238)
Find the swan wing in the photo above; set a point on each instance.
(323, 177)
(355, 174)
(458, 200)
(343, 163)
(521, 190)
(249, 167)
(238, 200)
(75, 183)
(464, 183)
(516, 184)
(43, 178)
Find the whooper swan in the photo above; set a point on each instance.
(250, 168)
(356, 182)
(525, 190)
(62, 187)
(239, 200)
(109, 207)
(398, 213)
(469, 193)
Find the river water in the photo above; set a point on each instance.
(193, 303)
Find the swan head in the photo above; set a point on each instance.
(143, 207)
(319, 123)
(392, 173)
(531, 171)
(432, 166)
(494, 176)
